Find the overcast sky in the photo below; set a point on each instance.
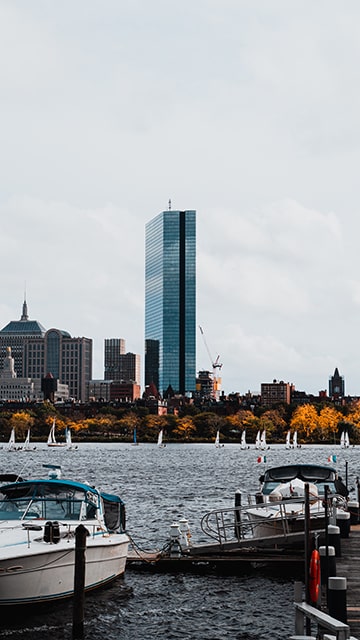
(245, 110)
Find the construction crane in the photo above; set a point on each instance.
(216, 364)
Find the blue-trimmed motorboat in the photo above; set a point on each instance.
(38, 519)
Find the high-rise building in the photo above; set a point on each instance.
(113, 349)
(38, 352)
(170, 301)
(119, 365)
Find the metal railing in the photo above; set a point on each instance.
(258, 520)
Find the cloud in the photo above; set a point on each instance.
(246, 112)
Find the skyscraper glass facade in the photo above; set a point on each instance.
(170, 301)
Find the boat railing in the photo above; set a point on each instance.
(256, 520)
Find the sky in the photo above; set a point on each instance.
(246, 111)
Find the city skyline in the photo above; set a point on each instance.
(219, 106)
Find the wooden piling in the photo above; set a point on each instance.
(79, 583)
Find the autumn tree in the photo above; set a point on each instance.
(207, 424)
(21, 421)
(185, 428)
(328, 421)
(152, 424)
(273, 422)
(305, 420)
(243, 420)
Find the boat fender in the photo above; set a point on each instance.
(314, 576)
(51, 532)
(56, 532)
(48, 532)
(123, 517)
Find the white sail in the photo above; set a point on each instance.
(160, 438)
(342, 440)
(12, 444)
(295, 443)
(51, 437)
(26, 445)
(346, 440)
(217, 439)
(258, 440)
(288, 440)
(263, 444)
(68, 438)
(243, 444)
(51, 441)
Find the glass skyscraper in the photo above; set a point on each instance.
(170, 301)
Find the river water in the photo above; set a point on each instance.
(160, 486)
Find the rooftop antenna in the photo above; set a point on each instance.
(169, 204)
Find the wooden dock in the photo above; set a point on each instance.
(348, 566)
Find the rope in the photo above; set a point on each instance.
(139, 551)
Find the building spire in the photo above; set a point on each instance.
(24, 316)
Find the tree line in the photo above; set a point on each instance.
(314, 424)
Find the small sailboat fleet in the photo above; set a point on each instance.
(260, 442)
(294, 443)
(344, 440)
(13, 446)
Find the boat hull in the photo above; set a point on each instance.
(45, 572)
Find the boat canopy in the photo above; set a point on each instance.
(305, 472)
(50, 499)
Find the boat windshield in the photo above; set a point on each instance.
(48, 501)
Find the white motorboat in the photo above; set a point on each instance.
(51, 441)
(38, 519)
(280, 504)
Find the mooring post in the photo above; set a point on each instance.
(307, 552)
(79, 583)
(238, 514)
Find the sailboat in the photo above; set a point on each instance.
(295, 442)
(69, 445)
(26, 446)
(11, 444)
(243, 444)
(288, 440)
(160, 440)
(344, 440)
(135, 442)
(258, 440)
(51, 441)
(263, 444)
(217, 439)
